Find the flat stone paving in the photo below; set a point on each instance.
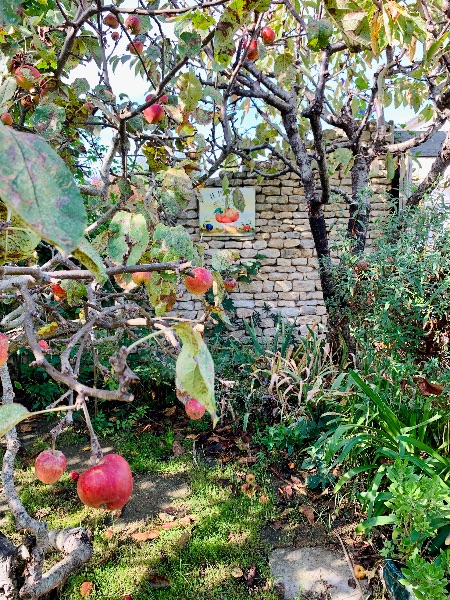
(312, 571)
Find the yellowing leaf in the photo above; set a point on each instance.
(48, 329)
(10, 415)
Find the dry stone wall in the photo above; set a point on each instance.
(288, 281)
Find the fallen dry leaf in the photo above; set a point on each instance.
(308, 512)
(170, 411)
(237, 572)
(286, 492)
(359, 572)
(429, 389)
(144, 536)
(183, 540)
(166, 517)
(177, 449)
(264, 499)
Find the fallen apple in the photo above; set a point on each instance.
(200, 283)
(133, 24)
(141, 277)
(74, 475)
(194, 409)
(86, 588)
(108, 484)
(154, 113)
(50, 465)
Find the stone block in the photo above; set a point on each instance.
(283, 286)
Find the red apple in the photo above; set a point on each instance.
(267, 35)
(229, 283)
(74, 475)
(111, 20)
(49, 466)
(128, 597)
(44, 345)
(200, 283)
(6, 119)
(86, 589)
(115, 36)
(137, 48)
(26, 76)
(164, 99)
(108, 534)
(108, 484)
(141, 277)
(133, 24)
(4, 345)
(154, 113)
(194, 409)
(252, 53)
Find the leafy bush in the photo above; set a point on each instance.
(397, 298)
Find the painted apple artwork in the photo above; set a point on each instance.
(229, 215)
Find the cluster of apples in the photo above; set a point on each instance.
(29, 79)
(267, 36)
(134, 26)
(108, 484)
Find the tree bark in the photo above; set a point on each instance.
(358, 222)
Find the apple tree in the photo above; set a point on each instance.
(91, 180)
(302, 67)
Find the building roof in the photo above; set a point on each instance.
(429, 148)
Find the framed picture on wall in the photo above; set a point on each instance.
(229, 212)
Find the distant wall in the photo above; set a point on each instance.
(288, 280)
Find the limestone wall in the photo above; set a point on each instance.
(288, 280)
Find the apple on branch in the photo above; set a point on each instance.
(50, 465)
(154, 113)
(268, 35)
(133, 24)
(136, 48)
(200, 283)
(194, 409)
(111, 21)
(141, 277)
(108, 484)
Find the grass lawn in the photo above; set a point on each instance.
(208, 555)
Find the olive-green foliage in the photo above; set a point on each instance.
(397, 297)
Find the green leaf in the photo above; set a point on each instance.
(191, 43)
(48, 120)
(80, 86)
(172, 243)
(319, 33)
(11, 415)
(17, 242)
(37, 186)
(76, 291)
(282, 63)
(223, 259)
(91, 259)
(178, 183)
(7, 90)
(162, 292)
(9, 12)
(195, 369)
(191, 91)
(127, 230)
